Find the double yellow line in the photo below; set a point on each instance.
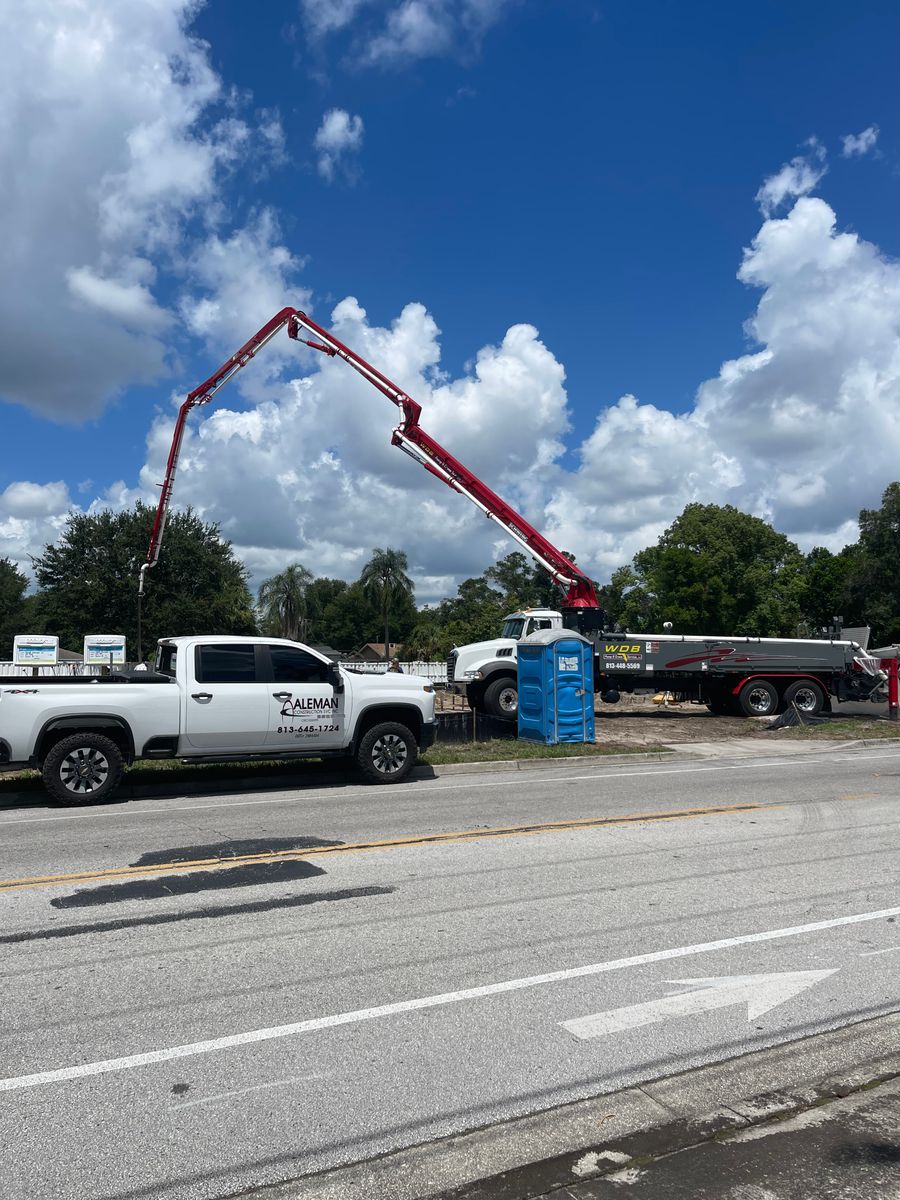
(428, 839)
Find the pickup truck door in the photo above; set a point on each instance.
(305, 710)
(226, 699)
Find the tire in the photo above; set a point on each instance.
(758, 698)
(807, 695)
(387, 753)
(85, 768)
(501, 699)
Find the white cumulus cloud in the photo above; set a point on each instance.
(855, 145)
(115, 131)
(338, 138)
(396, 34)
(796, 178)
(31, 515)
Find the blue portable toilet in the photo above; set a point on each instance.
(556, 687)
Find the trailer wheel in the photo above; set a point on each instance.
(758, 698)
(501, 699)
(85, 768)
(807, 695)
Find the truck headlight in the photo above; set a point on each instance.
(473, 674)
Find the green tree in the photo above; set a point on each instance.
(88, 579)
(874, 585)
(282, 603)
(522, 583)
(348, 619)
(12, 605)
(319, 595)
(826, 589)
(626, 603)
(719, 570)
(385, 582)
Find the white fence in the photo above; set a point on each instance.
(8, 669)
(435, 671)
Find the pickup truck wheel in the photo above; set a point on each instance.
(807, 695)
(501, 699)
(758, 698)
(85, 768)
(387, 753)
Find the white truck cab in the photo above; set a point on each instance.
(487, 671)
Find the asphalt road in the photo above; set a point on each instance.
(381, 966)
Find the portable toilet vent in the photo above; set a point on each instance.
(556, 687)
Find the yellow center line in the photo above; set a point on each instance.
(429, 839)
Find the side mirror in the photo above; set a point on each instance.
(335, 678)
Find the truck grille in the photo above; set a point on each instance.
(451, 667)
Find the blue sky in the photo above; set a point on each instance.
(586, 169)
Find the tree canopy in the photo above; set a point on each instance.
(88, 580)
(385, 583)
(12, 605)
(719, 570)
(282, 603)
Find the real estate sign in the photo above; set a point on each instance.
(35, 650)
(104, 649)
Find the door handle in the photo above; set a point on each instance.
(282, 695)
(201, 695)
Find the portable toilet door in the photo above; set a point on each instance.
(573, 667)
(556, 687)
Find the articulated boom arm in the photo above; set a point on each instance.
(202, 395)
(408, 435)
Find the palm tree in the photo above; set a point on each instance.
(281, 602)
(384, 581)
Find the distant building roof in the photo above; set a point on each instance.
(374, 651)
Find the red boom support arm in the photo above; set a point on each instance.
(408, 435)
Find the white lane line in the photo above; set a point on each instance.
(872, 953)
(132, 1061)
(410, 789)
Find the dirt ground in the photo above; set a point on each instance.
(636, 721)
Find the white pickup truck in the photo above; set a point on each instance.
(213, 698)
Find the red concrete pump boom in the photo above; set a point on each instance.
(408, 435)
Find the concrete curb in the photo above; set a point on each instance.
(529, 1157)
(538, 764)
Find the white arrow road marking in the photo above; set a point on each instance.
(133, 1061)
(759, 992)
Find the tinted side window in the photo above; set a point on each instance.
(226, 664)
(167, 660)
(290, 665)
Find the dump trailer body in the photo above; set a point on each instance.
(755, 676)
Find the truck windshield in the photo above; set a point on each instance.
(513, 626)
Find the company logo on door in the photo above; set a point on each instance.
(313, 704)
